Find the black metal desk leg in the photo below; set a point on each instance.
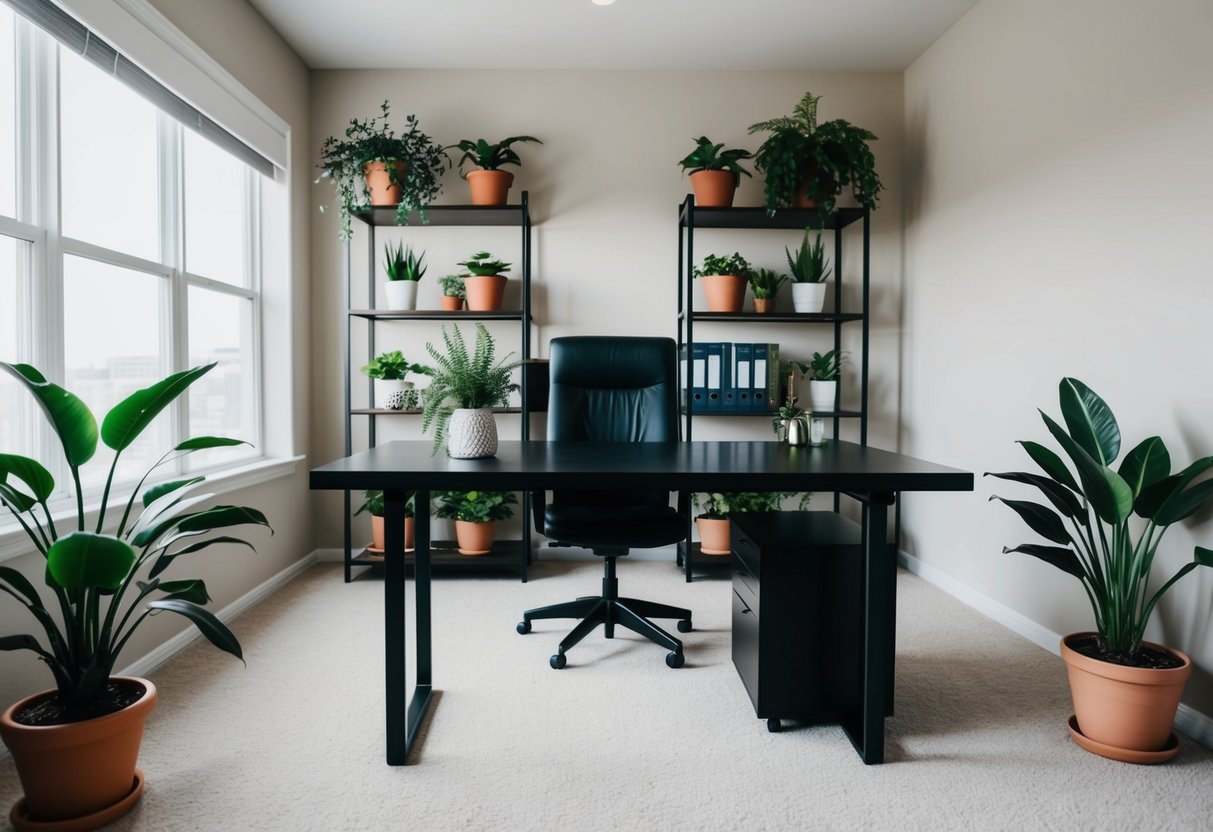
(421, 539)
(393, 626)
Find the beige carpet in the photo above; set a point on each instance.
(618, 740)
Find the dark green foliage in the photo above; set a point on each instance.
(718, 505)
(488, 156)
(392, 366)
(825, 367)
(372, 504)
(709, 156)
(465, 381)
(765, 283)
(482, 264)
(733, 264)
(400, 263)
(808, 264)
(475, 506)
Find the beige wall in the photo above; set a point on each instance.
(604, 191)
(1058, 181)
(240, 40)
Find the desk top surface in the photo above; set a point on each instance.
(699, 466)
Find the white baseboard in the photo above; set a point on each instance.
(542, 552)
(1190, 721)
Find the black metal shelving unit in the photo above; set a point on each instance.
(691, 218)
(508, 555)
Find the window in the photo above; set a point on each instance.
(148, 266)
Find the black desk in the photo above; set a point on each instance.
(871, 475)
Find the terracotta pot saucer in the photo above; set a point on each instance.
(23, 823)
(1124, 755)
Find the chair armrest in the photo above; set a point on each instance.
(539, 504)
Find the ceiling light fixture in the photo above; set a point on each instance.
(603, 2)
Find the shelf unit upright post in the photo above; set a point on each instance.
(689, 218)
(443, 553)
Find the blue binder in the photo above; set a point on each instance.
(758, 379)
(743, 372)
(714, 376)
(728, 386)
(698, 379)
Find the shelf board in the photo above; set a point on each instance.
(459, 215)
(698, 558)
(770, 414)
(778, 317)
(436, 315)
(444, 555)
(382, 411)
(785, 218)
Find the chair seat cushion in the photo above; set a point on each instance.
(639, 527)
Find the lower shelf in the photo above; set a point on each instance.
(444, 556)
(698, 558)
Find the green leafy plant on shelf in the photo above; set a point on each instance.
(808, 264)
(720, 504)
(1091, 514)
(419, 176)
(91, 574)
(710, 156)
(490, 156)
(474, 506)
(465, 380)
(825, 367)
(453, 286)
(765, 283)
(823, 159)
(391, 366)
(400, 263)
(372, 504)
(733, 264)
(481, 264)
(789, 410)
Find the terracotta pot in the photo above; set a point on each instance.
(1128, 709)
(714, 188)
(451, 304)
(764, 306)
(713, 535)
(490, 187)
(379, 185)
(378, 539)
(485, 292)
(474, 538)
(82, 768)
(724, 292)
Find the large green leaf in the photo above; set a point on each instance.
(73, 422)
(29, 471)
(1166, 493)
(1062, 498)
(1051, 464)
(1090, 421)
(22, 642)
(84, 560)
(222, 517)
(1183, 503)
(154, 493)
(165, 560)
(1063, 559)
(1151, 498)
(210, 626)
(1145, 465)
(21, 584)
(16, 498)
(202, 443)
(1041, 519)
(162, 515)
(127, 419)
(188, 590)
(1104, 489)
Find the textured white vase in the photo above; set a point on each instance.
(389, 393)
(401, 295)
(808, 297)
(471, 434)
(822, 395)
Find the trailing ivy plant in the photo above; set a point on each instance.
(808, 264)
(465, 380)
(488, 156)
(733, 264)
(709, 156)
(474, 506)
(419, 176)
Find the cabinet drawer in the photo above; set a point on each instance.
(746, 646)
(745, 585)
(745, 551)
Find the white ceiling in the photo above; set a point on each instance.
(854, 35)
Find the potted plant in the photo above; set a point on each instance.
(475, 514)
(454, 292)
(807, 165)
(374, 165)
(724, 281)
(463, 390)
(489, 184)
(1125, 690)
(404, 269)
(713, 522)
(389, 371)
(485, 283)
(715, 172)
(75, 746)
(790, 423)
(764, 284)
(372, 503)
(823, 387)
(809, 269)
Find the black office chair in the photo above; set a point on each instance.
(607, 389)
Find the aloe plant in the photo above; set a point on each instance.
(765, 283)
(808, 264)
(1091, 515)
(400, 263)
(90, 572)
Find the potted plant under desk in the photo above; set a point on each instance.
(454, 292)
(75, 746)
(404, 271)
(475, 514)
(487, 183)
(484, 283)
(809, 269)
(715, 172)
(372, 503)
(713, 522)
(1125, 690)
(388, 372)
(724, 281)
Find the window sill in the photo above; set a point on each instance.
(14, 542)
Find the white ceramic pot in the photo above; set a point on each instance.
(822, 395)
(471, 434)
(389, 393)
(401, 295)
(808, 297)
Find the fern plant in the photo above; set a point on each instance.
(808, 264)
(465, 381)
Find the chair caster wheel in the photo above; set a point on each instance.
(774, 726)
(523, 627)
(684, 626)
(558, 661)
(673, 659)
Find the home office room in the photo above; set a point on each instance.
(574, 414)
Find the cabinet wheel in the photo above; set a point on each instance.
(558, 661)
(774, 726)
(523, 627)
(673, 659)
(684, 626)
